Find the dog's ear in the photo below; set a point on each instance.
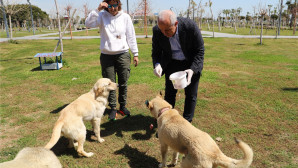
(98, 91)
(148, 104)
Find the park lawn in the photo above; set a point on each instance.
(246, 91)
(23, 33)
(246, 31)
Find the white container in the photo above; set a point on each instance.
(52, 66)
(179, 79)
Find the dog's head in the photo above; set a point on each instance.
(103, 87)
(156, 105)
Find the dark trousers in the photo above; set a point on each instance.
(190, 91)
(116, 64)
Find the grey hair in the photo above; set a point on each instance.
(165, 14)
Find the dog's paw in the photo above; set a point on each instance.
(161, 165)
(101, 140)
(89, 154)
(76, 144)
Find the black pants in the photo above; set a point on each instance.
(190, 91)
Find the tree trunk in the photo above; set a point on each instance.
(294, 26)
(235, 25)
(60, 37)
(10, 26)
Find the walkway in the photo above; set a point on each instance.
(206, 34)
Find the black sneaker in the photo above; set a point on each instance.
(113, 114)
(124, 112)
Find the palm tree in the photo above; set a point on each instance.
(292, 8)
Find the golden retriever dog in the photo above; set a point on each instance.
(33, 157)
(200, 150)
(88, 107)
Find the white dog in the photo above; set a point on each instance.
(37, 157)
(89, 107)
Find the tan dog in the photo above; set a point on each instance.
(37, 157)
(199, 148)
(89, 107)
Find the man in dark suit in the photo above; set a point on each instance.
(177, 45)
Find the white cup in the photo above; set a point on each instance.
(179, 79)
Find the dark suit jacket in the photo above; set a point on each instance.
(191, 42)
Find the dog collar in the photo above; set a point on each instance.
(163, 110)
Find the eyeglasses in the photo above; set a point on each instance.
(114, 5)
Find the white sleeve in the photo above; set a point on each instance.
(131, 37)
(93, 19)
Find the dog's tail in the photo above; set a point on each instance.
(234, 163)
(55, 135)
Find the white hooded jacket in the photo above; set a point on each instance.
(117, 32)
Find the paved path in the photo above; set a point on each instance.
(206, 34)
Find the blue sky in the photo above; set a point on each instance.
(157, 5)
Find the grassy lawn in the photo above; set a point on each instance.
(246, 31)
(247, 91)
(22, 33)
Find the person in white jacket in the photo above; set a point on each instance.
(117, 37)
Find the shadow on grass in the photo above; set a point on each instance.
(57, 110)
(132, 123)
(36, 69)
(290, 89)
(135, 156)
(60, 148)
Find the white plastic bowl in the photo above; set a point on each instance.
(179, 79)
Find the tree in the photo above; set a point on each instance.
(262, 12)
(193, 4)
(201, 11)
(5, 20)
(279, 20)
(188, 9)
(292, 8)
(144, 5)
(86, 12)
(68, 9)
(11, 9)
(24, 15)
(210, 5)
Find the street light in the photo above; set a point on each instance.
(4, 17)
(31, 16)
(127, 7)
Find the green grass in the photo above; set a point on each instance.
(247, 31)
(22, 33)
(246, 91)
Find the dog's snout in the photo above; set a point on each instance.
(147, 103)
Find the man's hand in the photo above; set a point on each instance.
(157, 70)
(189, 75)
(136, 61)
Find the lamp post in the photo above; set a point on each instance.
(127, 7)
(31, 17)
(5, 20)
